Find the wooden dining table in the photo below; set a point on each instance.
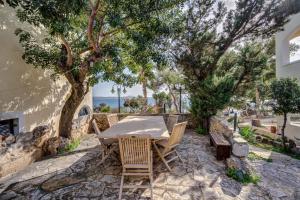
(154, 126)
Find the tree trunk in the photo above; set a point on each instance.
(69, 109)
(257, 102)
(282, 130)
(205, 124)
(144, 87)
(174, 99)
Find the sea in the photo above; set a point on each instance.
(113, 101)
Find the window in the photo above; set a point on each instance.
(85, 110)
(9, 126)
(294, 47)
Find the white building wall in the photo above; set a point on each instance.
(28, 93)
(285, 68)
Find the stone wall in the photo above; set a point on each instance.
(81, 126)
(32, 146)
(27, 149)
(102, 122)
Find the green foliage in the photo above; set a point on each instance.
(253, 156)
(160, 98)
(247, 133)
(135, 103)
(200, 50)
(92, 41)
(70, 146)
(242, 177)
(286, 93)
(201, 131)
(105, 109)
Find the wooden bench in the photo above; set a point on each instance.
(222, 146)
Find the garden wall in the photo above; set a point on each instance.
(29, 147)
(102, 122)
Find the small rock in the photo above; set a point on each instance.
(258, 138)
(256, 122)
(40, 135)
(265, 140)
(233, 162)
(50, 147)
(8, 195)
(10, 139)
(63, 143)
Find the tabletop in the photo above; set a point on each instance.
(139, 125)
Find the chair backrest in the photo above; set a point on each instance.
(177, 134)
(172, 120)
(97, 131)
(135, 150)
(112, 119)
(95, 127)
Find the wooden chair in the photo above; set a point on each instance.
(112, 119)
(165, 148)
(172, 120)
(105, 144)
(136, 157)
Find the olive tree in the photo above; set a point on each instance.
(85, 41)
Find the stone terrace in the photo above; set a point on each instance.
(80, 175)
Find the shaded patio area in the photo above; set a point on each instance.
(80, 175)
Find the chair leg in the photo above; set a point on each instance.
(162, 157)
(178, 156)
(121, 187)
(151, 185)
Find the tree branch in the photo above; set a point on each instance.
(90, 28)
(68, 48)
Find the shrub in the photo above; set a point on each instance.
(242, 177)
(71, 146)
(105, 109)
(248, 134)
(201, 131)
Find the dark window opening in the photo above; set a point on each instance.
(83, 111)
(9, 126)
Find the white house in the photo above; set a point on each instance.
(288, 65)
(28, 96)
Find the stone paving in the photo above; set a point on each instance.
(80, 175)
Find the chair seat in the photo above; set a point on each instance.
(137, 166)
(163, 143)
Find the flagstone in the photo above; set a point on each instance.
(81, 175)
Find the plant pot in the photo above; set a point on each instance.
(273, 129)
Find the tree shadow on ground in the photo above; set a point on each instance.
(84, 176)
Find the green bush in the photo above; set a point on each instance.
(105, 109)
(201, 131)
(248, 134)
(242, 177)
(71, 146)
